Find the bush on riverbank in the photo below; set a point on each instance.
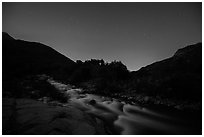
(32, 87)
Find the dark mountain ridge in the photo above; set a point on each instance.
(21, 58)
(6, 36)
(179, 76)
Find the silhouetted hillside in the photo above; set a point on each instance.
(22, 58)
(178, 77)
(6, 36)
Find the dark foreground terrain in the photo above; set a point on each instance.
(91, 114)
(45, 92)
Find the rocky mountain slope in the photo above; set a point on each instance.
(178, 77)
(21, 58)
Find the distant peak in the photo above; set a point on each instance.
(6, 36)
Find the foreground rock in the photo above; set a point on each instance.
(26, 116)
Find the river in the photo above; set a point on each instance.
(126, 119)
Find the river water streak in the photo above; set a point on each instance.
(129, 119)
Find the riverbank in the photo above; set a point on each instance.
(85, 113)
(142, 99)
(43, 108)
(31, 117)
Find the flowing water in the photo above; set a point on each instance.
(127, 119)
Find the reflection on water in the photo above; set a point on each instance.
(131, 119)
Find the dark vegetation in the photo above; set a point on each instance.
(105, 78)
(34, 87)
(176, 80)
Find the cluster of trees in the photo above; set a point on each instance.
(98, 69)
(105, 76)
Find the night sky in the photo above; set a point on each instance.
(137, 34)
